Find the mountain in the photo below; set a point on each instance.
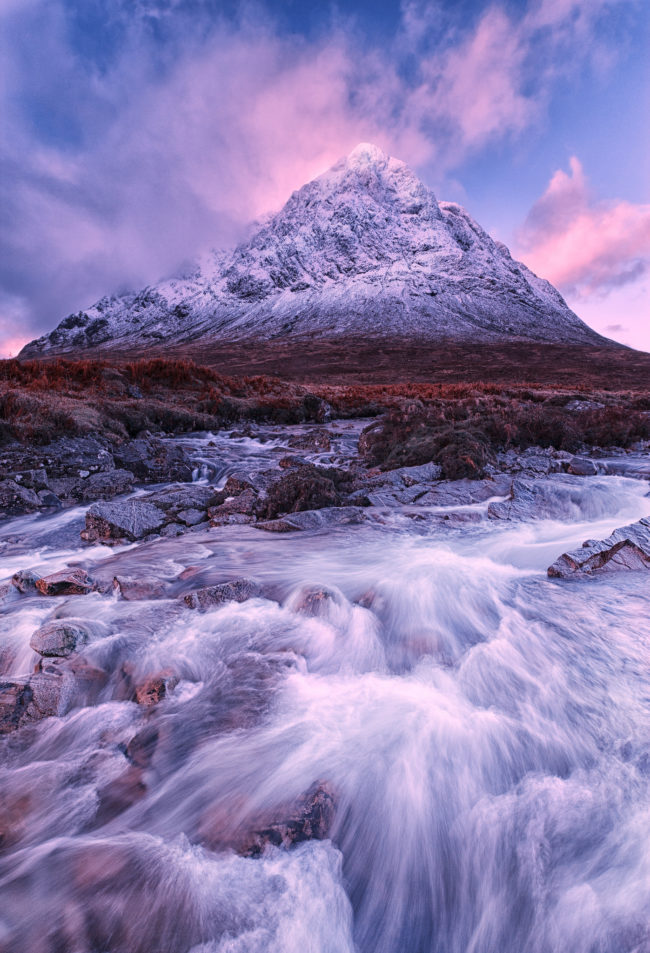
(364, 249)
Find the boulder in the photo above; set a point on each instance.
(304, 488)
(628, 548)
(317, 601)
(128, 519)
(315, 441)
(239, 590)
(103, 486)
(155, 688)
(315, 519)
(60, 637)
(29, 699)
(25, 580)
(581, 466)
(16, 499)
(67, 582)
(154, 461)
(310, 817)
(241, 505)
(132, 588)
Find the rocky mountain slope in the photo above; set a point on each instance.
(365, 248)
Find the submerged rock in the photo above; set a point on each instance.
(628, 548)
(315, 519)
(309, 818)
(155, 688)
(135, 588)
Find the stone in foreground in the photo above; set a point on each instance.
(628, 548)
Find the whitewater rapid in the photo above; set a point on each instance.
(484, 731)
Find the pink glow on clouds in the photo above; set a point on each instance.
(581, 244)
(240, 121)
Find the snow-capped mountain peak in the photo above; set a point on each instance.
(364, 248)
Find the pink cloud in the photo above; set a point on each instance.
(170, 161)
(581, 244)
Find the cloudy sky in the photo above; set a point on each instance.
(136, 133)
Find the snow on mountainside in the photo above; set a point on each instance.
(363, 249)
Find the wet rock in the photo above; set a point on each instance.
(315, 441)
(67, 582)
(317, 601)
(305, 488)
(29, 699)
(59, 637)
(81, 679)
(142, 747)
(25, 580)
(239, 590)
(102, 486)
(582, 466)
(242, 505)
(134, 588)
(154, 689)
(309, 818)
(191, 517)
(556, 497)
(465, 492)
(129, 519)
(154, 461)
(120, 794)
(315, 519)
(628, 548)
(71, 456)
(49, 500)
(16, 499)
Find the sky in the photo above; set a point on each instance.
(138, 133)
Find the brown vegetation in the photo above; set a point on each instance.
(456, 412)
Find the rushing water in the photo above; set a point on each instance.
(484, 731)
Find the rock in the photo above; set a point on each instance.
(68, 455)
(155, 688)
(25, 580)
(315, 519)
(556, 497)
(35, 479)
(244, 505)
(49, 500)
(67, 582)
(314, 440)
(309, 818)
(26, 700)
(129, 519)
(103, 486)
(239, 590)
(578, 405)
(305, 488)
(141, 748)
(628, 548)
(16, 499)
(315, 601)
(190, 517)
(582, 466)
(154, 461)
(59, 637)
(134, 588)
(465, 492)
(120, 794)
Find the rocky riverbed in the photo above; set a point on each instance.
(278, 698)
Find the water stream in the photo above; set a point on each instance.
(484, 732)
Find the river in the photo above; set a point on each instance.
(482, 732)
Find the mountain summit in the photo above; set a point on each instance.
(364, 249)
